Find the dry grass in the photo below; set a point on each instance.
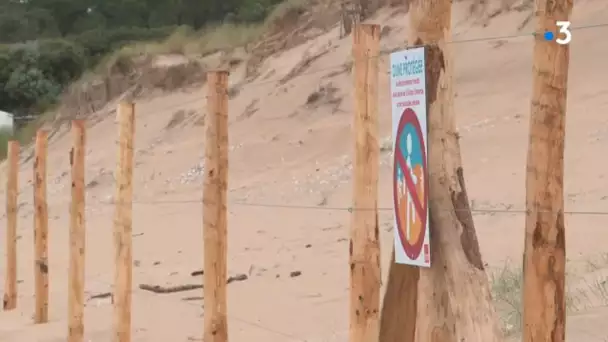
(227, 37)
(5, 136)
(191, 43)
(211, 39)
(185, 42)
(584, 290)
(286, 11)
(506, 286)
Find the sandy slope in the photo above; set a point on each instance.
(290, 153)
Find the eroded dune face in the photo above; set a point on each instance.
(288, 157)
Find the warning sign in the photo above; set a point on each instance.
(410, 183)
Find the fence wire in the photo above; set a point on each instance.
(508, 208)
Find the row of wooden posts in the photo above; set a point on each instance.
(366, 43)
(214, 222)
(364, 263)
(76, 273)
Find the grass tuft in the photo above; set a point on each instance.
(584, 290)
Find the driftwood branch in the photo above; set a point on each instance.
(197, 273)
(170, 289)
(101, 295)
(186, 287)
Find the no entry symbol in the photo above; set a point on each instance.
(410, 184)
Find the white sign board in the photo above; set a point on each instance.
(6, 122)
(410, 150)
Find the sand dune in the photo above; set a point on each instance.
(287, 152)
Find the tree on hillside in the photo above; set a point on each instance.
(34, 19)
(65, 12)
(17, 23)
(451, 301)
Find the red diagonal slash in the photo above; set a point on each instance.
(411, 250)
(409, 183)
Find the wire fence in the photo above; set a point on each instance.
(507, 208)
(472, 209)
(495, 208)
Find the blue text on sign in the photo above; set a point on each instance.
(407, 68)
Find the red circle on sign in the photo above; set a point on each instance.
(411, 250)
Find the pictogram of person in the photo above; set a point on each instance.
(407, 210)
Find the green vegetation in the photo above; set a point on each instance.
(584, 290)
(5, 136)
(47, 44)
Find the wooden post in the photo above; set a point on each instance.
(399, 307)
(364, 235)
(215, 226)
(77, 236)
(545, 243)
(454, 301)
(12, 193)
(41, 221)
(123, 225)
